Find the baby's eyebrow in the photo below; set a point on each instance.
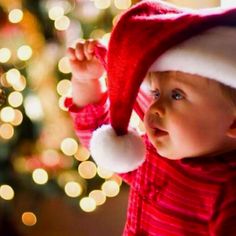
(184, 81)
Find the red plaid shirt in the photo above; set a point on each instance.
(188, 197)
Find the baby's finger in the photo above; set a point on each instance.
(71, 53)
(79, 51)
(87, 52)
(91, 46)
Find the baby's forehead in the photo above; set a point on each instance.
(178, 77)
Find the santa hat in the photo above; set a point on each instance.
(156, 36)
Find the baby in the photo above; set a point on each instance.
(182, 173)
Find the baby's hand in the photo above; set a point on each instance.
(84, 64)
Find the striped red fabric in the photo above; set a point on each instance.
(188, 197)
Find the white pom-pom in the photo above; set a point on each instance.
(119, 154)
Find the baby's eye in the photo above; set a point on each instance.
(155, 94)
(177, 94)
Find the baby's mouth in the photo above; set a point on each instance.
(159, 132)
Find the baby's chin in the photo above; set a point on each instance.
(165, 152)
(170, 157)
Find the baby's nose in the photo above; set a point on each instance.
(158, 109)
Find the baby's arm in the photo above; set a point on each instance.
(87, 86)
(88, 106)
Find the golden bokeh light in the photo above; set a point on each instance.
(18, 118)
(15, 99)
(98, 196)
(6, 192)
(29, 218)
(122, 4)
(64, 87)
(110, 188)
(55, 12)
(87, 169)
(24, 52)
(69, 146)
(15, 15)
(19, 84)
(40, 176)
(7, 114)
(6, 131)
(61, 103)
(62, 23)
(64, 65)
(82, 153)
(4, 82)
(117, 179)
(5, 55)
(103, 173)
(33, 107)
(73, 189)
(102, 4)
(13, 76)
(87, 204)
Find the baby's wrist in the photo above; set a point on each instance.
(82, 80)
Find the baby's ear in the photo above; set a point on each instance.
(232, 130)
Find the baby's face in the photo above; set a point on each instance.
(189, 116)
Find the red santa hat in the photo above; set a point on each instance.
(156, 36)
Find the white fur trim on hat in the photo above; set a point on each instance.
(119, 154)
(211, 54)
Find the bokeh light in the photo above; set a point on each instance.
(87, 204)
(64, 65)
(29, 218)
(61, 103)
(69, 146)
(13, 76)
(103, 173)
(24, 52)
(18, 118)
(87, 169)
(40, 176)
(6, 192)
(62, 23)
(122, 4)
(6, 131)
(33, 107)
(64, 87)
(98, 196)
(19, 84)
(82, 153)
(5, 55)
(73, 189)
(110, 188)
(15, 15)
(15, 99)
(7, 114)
(102, 4)
(55, 12)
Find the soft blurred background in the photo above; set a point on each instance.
(49, 184)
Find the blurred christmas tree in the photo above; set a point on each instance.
(39, 153)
